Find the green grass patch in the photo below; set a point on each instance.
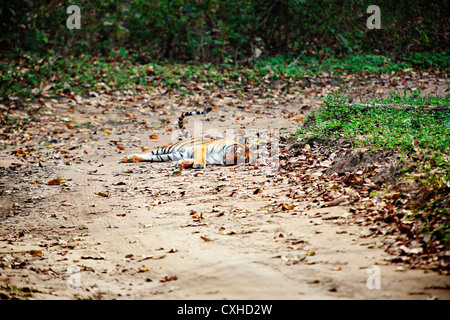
(396, 128)
(421, 134)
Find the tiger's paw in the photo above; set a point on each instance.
(132, 158)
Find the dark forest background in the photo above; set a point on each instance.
(216, 30)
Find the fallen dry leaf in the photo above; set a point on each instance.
(153, 136)
(121, 147)
(36, 252)
(257, 190)
(206, 238)
(143, 269)
(287, 206)
(56, 182)
(168, 278)
(18, 151)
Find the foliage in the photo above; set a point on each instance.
(395, 128)
(218, 31)
(421, 134)
(27, 77)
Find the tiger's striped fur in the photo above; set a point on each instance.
(196, 152)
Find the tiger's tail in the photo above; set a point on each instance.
(189, 113)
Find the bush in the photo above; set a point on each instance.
(218, 30)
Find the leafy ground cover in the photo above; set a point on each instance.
(33, 76)
(420, 134)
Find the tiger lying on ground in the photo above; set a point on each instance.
(196, 152)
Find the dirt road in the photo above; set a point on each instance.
(134, 231)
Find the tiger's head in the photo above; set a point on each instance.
(239, 153)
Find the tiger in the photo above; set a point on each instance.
(195, 152)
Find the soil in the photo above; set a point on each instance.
(104, 230)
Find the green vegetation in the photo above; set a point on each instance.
(423, 135)
(31, 75)
(217, 30)
(393, 128)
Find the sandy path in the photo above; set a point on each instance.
(200, 235)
